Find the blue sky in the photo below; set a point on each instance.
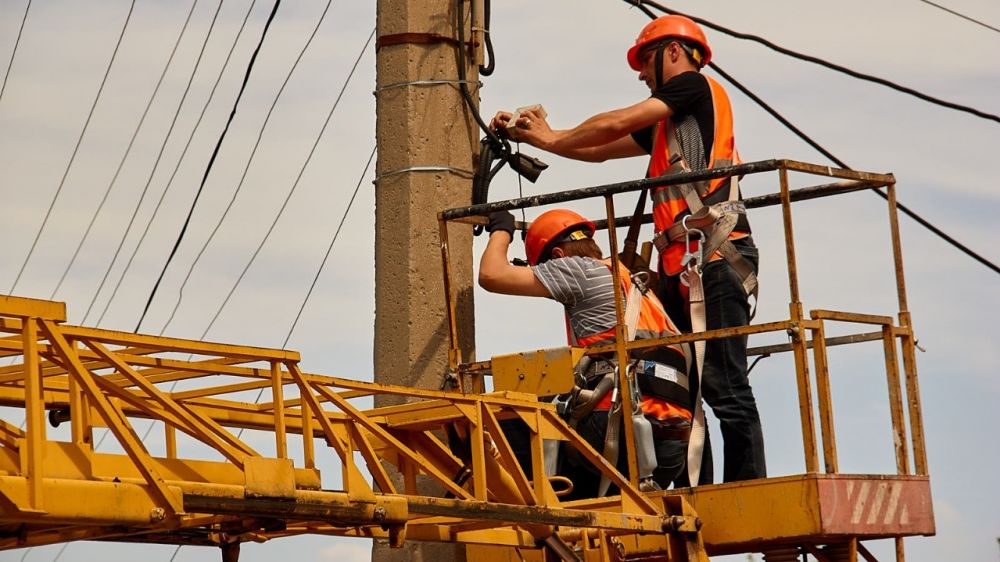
(569, 56)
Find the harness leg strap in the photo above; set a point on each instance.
(696, 444)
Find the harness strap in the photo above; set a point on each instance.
(611, 441)
(696, 444)
(633, 304)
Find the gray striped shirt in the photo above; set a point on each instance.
(585, 287)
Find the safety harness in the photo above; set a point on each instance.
(707, 228)
(644, 376)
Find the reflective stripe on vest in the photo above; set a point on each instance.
(661, 396)
(669, 204)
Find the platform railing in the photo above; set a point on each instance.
(804, 331)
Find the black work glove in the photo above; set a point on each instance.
(501, 220)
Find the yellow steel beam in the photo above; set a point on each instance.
(385, 436)
(115, 419)
(179, 345)
(200, 426)
(34, 419)
(34, 308)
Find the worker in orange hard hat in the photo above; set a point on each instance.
(566, 265)
(685, 125)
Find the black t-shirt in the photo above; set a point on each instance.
(690, 98)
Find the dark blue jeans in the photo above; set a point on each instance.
(671, 457)
(725, 385)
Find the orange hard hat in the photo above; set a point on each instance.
(678, 27)
(551, 228)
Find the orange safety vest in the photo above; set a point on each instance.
(666, 157)
(653, 323)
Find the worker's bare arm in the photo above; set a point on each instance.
(497, 275)
(603, 132)
(625, 147)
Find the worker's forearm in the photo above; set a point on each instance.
(494, 259)
(599, 130)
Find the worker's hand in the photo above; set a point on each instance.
(532, 128)
(501, 221)
(500, 120)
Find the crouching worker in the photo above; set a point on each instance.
(566, 265)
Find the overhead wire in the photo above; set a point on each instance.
(104, 436)
(128, 151)
(72, 158)
(312, 286)
(963, 16)
(250, 160)
(798, 132)
(159, 203)
(903, 208)
(13, 52)
(284, 204)
(821, 62)
(208, 169)
(329, 249)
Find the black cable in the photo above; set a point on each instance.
(329, 249)
(906, 210)
(159, 203)
(486, 70)
(963, 16)
(520, 195)
(125, 156)
(208, 169)
(281, 210)
(288, 336)
(152, 173)
(246, 169)
(643, 8)
(76, 148)
(462, 74)
(821, 62)
(17, 42)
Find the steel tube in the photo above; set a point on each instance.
(608, 189)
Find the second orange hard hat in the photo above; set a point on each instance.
(550, 228)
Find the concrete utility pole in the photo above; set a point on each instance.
(427, 144)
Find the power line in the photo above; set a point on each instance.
(72, 157)
(125, 156)
(246, 169)
(284, 204)
(312, 286)
(821, 62)
(329, 249)
(208, 169)
(17, 42)
(156, 165)
(906, 210)
(170, 182)
(963, 16)
(104, 199)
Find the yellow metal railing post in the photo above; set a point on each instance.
(624, 390)
(895, 401)
(907, 340)
(825, 400)
(797, 333)
(451, 302)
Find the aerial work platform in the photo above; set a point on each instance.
(230, 469)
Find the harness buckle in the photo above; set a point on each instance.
(641, 280)
(692, 260)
